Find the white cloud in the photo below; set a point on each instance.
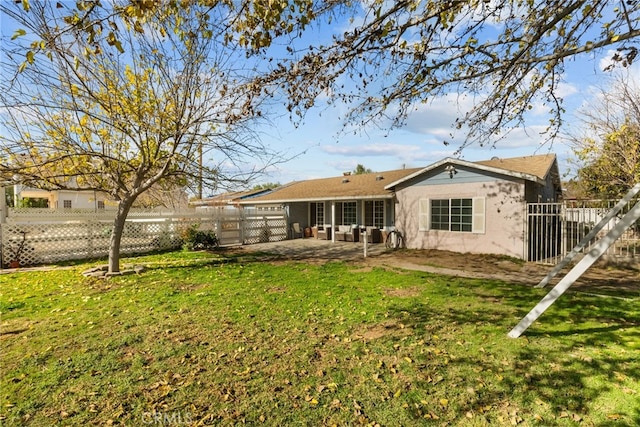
(376, 149)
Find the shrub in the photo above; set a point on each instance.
(195, 239)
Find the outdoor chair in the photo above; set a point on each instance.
(374, 235)
(324, 233)
(296, 229)
(347, 233)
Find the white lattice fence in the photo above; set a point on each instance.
(45, 236)
(32, 244)
(265, 229)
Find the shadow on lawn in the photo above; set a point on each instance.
(561, 362)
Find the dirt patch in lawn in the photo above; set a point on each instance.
(600, 277)
(403, 292)
(385, 329)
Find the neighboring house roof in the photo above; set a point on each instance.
(346, 187)
(229, 198)
(530, 168)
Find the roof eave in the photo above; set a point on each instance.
(460, 162)
(318, 199)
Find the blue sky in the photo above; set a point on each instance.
(322, 148)
(326, 151)
(329, 152)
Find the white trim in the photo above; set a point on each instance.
(424, 214)
(479, 220)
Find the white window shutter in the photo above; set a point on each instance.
(478, 215)
(423, 215)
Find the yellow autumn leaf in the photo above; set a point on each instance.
(18, 33)
(444, 402)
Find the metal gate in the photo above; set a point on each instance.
(544, 224)
(553, 229)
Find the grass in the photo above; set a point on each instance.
(200, 339)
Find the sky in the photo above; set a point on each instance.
(319, 147)
(325, 151)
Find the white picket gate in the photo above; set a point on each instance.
(43, 236)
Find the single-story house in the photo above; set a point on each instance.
(452, 204)
(477, 207)
(333, 208)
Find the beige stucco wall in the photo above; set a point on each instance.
(504, 221)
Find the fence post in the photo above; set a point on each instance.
(241, 225)
(3, 205)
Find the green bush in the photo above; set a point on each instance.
(195, 239)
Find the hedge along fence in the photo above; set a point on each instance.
(42, 236)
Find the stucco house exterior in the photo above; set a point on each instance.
(452, 204)
(477, 207)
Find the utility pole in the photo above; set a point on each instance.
(200, 177)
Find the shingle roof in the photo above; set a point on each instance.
(539, 165)
(531, 168)
(227, 198)
(368, 185)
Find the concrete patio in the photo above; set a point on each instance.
(310, 248)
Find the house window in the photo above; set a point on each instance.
(317, 214)
(464, 215)
(66, 204)
(100, 204)
(349, 213)
(440, 214)
(374, 213)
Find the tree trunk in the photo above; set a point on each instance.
(116, 235)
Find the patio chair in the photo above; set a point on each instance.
(296, 229)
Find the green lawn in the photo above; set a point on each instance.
(200, 340)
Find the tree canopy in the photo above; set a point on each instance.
(360, 169)
(607, 146)
(154, 108)
(508, 55)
